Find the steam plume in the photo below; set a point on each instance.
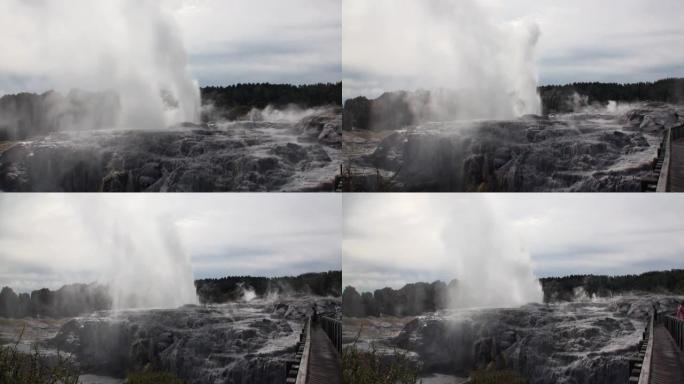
(130, 47)
(479, 68)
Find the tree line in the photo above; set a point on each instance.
(232, 288)
(393, 110)
(77, 299)
(559, 98)
(237, 100)
(565, 288)
(418, 298)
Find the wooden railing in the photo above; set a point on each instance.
(297, 369)
(664, 179)
(676, 329)
(640, 367)
(333, 328)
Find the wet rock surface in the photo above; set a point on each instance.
(235, 156)
(232, 343)
(588, 151)
(576, 342)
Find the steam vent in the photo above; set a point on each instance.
(341, 191)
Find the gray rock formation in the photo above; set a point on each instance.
(590, 151)
(242, 156)
(234, 343)
(579, 342)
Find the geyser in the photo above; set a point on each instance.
(397, 239)
(143, 261)
(130, 243)
(490, 261)
(475, 66)
(130, 47)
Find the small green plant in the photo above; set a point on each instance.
(497, 377)
(368, 367)
(33, 368)
(152, 377)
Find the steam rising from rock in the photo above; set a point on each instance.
(130, 47)
(491, 263)
(477, 68)
(143, 261)
(398, 239)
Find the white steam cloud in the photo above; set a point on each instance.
(482, 68)
(131, 47)
(493, 267)
(144, 263)
(399, 239)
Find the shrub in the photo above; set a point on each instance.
(33, 368)
(367, 367)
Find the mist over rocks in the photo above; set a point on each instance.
(586, 340)
(238, 156)
(70, 300)
(242, 342)
(590, 151)
(26, 115)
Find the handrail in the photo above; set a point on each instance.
(333, 328)
(304, 364)
(297, 369)
(664, 177)
(676, 328)
(640, 367)
(645, 376)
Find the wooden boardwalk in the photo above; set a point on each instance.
(667, 362)
(324, 362)
(677, 166)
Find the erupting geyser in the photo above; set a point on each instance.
(490, 261)
(130, 47)
(143, 261)
(476, 66)
(422, 237)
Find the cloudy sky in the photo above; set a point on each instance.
(82, 43)
(47, 240)
(581, 40)
(294, 41)
(390, 240)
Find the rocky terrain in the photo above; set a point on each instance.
(596, 149)
(241, 342)
(573, 342)
(228, 156)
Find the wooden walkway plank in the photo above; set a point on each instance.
(324, 363)
(667, 360)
